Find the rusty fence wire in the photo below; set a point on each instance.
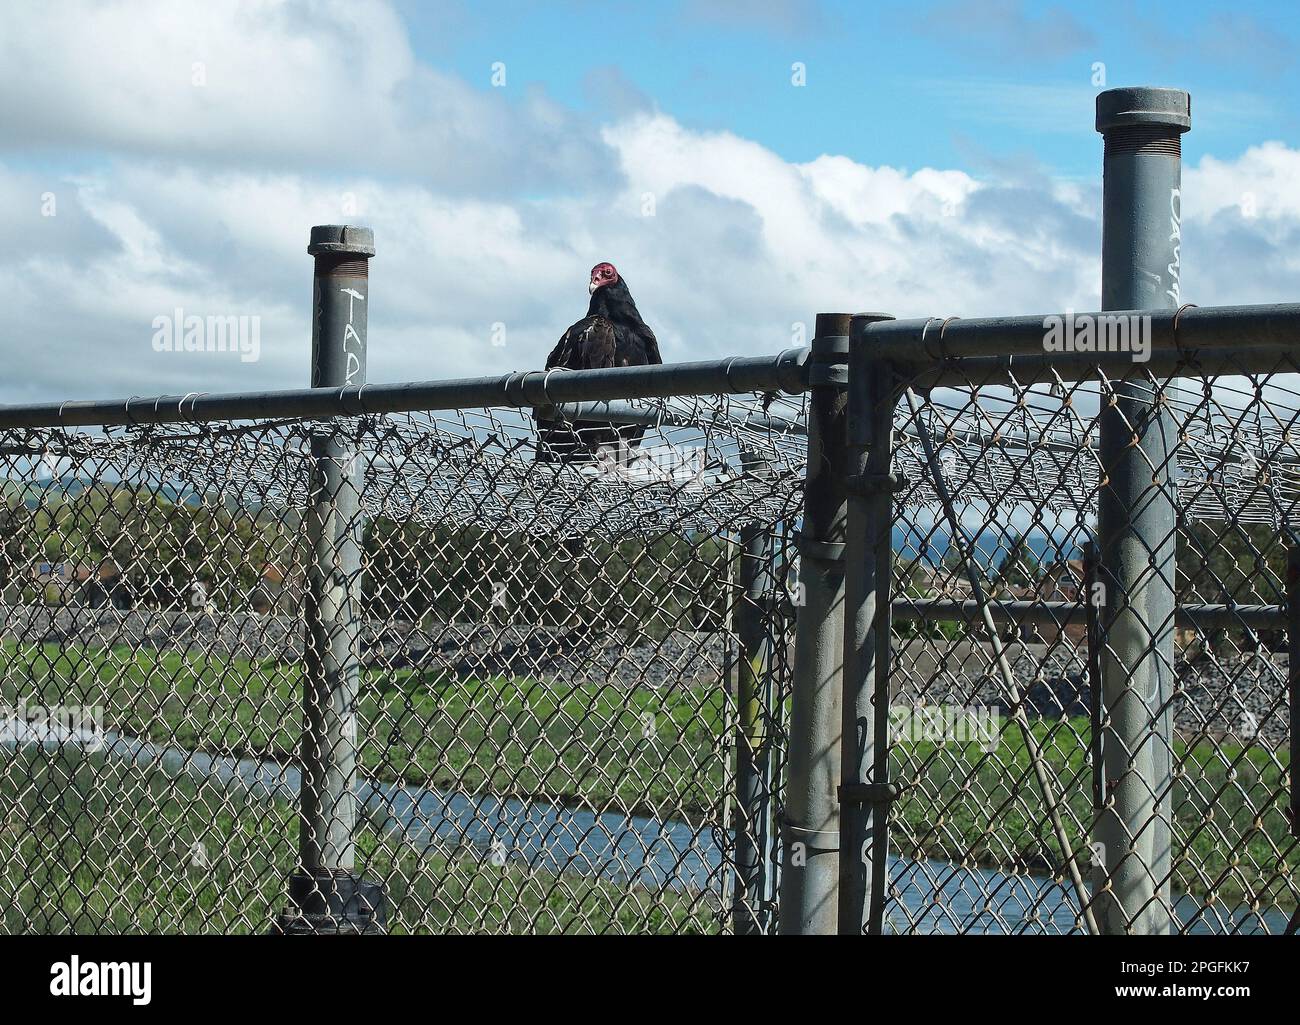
(547, 687)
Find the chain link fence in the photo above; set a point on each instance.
(1000, 512)
(932, 626)
(574, 679)
(545, 652)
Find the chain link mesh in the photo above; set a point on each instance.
(1204, 754)
(571, 692)
(545, 653)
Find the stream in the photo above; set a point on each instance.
(931, 896)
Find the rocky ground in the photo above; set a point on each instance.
(463, 650)
(1238, 695)
(1241, 696)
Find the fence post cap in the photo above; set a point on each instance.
(1144, 105)
(342, 238)
(831, 324)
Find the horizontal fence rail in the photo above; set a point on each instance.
(1184, 332)
(1059, 613)
(784, 372)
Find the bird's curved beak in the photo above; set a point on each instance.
(592, 286)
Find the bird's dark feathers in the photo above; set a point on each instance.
(589, 344)
(634, 344)
(612, 334)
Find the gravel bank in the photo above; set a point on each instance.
(1234, 696)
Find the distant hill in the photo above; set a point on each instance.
(988, 554)
(33, 492)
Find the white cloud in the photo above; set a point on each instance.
(285, 83)
(1262, 181)
(741, 245)
(1242, 227)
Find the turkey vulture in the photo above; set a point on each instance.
(612, 334)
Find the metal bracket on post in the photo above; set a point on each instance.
(325, 896)
(827, 551)
(869, 793)
(872, 483)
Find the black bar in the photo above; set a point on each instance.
(785, 371)
(1269, 326)
(1059, 613)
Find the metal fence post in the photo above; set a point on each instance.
(810, 852)
(865, 790)
(755, 586)
(1136, 518)
(326, 896)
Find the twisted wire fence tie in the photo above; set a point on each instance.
(563, 417)
(925, 345)
(726, 373)
(1188, 355)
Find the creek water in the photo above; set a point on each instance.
(638, 850)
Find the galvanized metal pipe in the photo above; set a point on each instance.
(536, 388)
(1061, 613)
(931, 339)
(865, 793)
(332, 611)
(811, 830)
(1141, 269)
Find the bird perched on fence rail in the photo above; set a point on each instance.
(612, 334)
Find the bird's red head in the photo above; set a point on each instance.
(601, 275)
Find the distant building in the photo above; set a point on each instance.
(69, 583)
(278, 590)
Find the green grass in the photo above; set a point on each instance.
(664, 753)
(89, 845)
(660, 752)
(1232, 840)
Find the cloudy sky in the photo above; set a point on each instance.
(744, 164)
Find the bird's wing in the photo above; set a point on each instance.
(597, 343)
(636, 346)
(588, 344)
(651, 345)
(563, 353)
